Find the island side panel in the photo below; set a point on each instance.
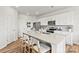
(59, 48)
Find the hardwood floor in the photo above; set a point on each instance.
(72, 49)
(15, 47)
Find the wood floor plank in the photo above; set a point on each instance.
(15, 47)
(12, 47)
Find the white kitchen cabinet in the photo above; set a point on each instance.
(8, 26)
(68, 36)
(64, 18)
(69, 39)
(44, 21)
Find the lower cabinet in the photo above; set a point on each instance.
(68, 39)
(67, 35)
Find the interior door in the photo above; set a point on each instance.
(12, 30)
(8, 25)
(3, 33)
(8, 31)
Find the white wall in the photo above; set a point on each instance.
(23, 19)
(8, 25)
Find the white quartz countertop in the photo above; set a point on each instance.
(52, 38)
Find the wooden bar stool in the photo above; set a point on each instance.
(25, 47)
(38, 47)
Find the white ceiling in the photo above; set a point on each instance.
(38, 10)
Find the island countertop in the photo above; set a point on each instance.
(52, 38)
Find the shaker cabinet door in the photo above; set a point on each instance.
(64, 18)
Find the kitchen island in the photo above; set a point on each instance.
(56, 41)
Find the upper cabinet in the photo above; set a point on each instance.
(44, 21)
(64, 18)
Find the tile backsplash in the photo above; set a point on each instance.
(64, 27)
(67, 28)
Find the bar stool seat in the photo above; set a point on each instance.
(44, 48)
(40, 47)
